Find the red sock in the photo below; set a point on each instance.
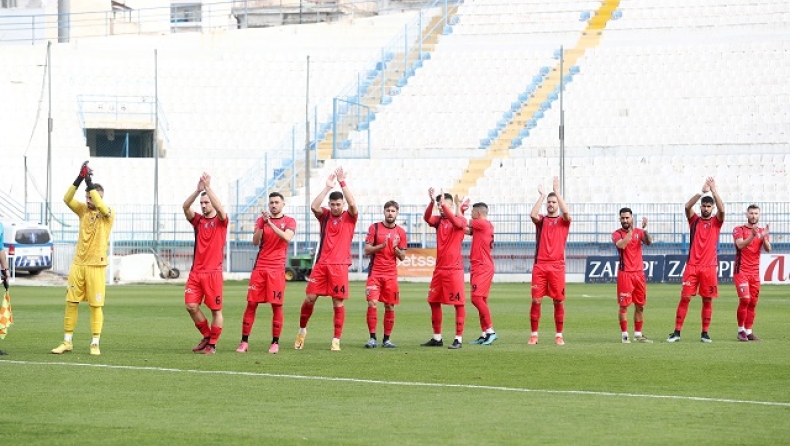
(534, 316)
(740, 314)
(436, 317)
(340, 319)
(373, 319)
(203, 328)
(277, 320)
(680, 315)
(214, 336)
(304, 316)
(484, 312)
(624, 326)
(638, 325)
(750, 312)
(389, 321)
(460, 319)
(559, 315)
(707, 313)
(248, 319)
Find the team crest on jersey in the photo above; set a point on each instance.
(252, 288)
(98, 297)
(208, 225)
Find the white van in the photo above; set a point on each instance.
(28, 246)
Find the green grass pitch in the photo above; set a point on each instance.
(149, 388)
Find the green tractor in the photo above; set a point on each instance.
(298, 267)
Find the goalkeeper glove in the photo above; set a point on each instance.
(89, 181)
(84, 172)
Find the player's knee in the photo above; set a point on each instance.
(372, 303)
(192, 308)
(685, 299)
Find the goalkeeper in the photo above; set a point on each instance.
(3, 270)
(87, 276)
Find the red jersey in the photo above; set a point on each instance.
(384, 263)
(551, 233)
(704, 236)
(631, 255)
(336, 236)
(449, 237)
(482, 243)
(210, 236)
(747, 260)
(273, 250)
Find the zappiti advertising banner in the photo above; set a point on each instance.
(669, 268)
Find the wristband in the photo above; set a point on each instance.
(342, 184)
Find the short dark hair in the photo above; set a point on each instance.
(622, 210)
(752, 206)
(98, 187)
(446, 196)
(482, 207)
(551, 194)
(336, 195)
(391, 203)
(277, 194)
(707, 199)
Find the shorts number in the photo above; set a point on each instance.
(277, 295)
(339, 289)
(218, 300)
(455, 297)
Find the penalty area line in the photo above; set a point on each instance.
(407, 383)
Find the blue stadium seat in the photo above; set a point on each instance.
(402, 81)
(553, 96)
(532, 123)
(567, 79)
(538, 114)
(484, 143)
(544, 71)
(507, 115)
(502, 123)
(537, 79)
(394, 91)
(523, 97)
(515, 142)
(515, 106)
(574, 69)
(345, 144)
(545, 105)
(447, 30)
(531, 88)
(386, 100)
(493, 133)
(584, 16)
(523, 133)
(617, 14)
(557, 54)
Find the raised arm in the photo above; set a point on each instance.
(352, 204)
(72, 190)
(187, 206)
(719, 203)
(560, 201)
(647, 240)
(693, 200)
(212, 197)
(315, 206)
(429, 210)
(766, 240)
(535, 214)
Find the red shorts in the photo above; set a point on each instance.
(383, 289)
(704, 278)
(631, 288)
(548, 279)
(747, 285)
(447, 287)
(204, 288)
(328, 280)
(481, 282)
(267, 286)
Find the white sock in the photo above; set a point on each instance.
(459, 339)
(740, 329)
(748, 331)
(559, 335)
(437, 337)
(68, 337)
(490, 331)
(335, 339)
(302, 330)
(637, 334)
(95, 340)
(483, 334)
(534, 333)
(625, 334)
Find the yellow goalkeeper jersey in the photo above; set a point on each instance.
(95, 227)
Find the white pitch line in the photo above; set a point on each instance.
(410, 384)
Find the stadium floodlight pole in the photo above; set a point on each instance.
(156, 152)
(307, 155)
(562, 124)
(64, 18)
(48, 208)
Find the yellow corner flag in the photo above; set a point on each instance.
(6, 317)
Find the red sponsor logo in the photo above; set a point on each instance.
(776, 271)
